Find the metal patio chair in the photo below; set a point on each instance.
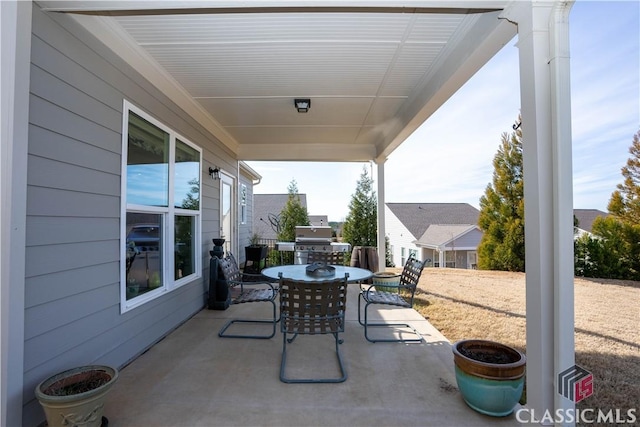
(312, 308)
(401, 296)
(333, 258)
(247, 288)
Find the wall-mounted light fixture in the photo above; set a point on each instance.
(302, 105)
(215, 173)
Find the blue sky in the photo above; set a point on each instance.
(449, 158)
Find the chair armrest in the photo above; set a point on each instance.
(242, 284)
(391, 285)
(252, 277)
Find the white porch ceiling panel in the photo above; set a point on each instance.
(373, 75)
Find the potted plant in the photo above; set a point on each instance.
(76, 396)
(490, 375)
(256, 254)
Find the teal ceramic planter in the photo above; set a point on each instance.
(386, 281)
(490, 376)
(497, 398)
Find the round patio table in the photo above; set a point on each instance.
(299, 272)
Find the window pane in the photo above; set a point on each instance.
(184, 246)
(243, 204)
(187, 177)
(147, 163)
(144, 253)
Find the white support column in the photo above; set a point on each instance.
(381, 228)
(15, 57)
(546, 130)
(563, 272)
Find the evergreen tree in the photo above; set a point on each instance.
(502, 210)
(625, 201)
(613, 250)
(361, 225)
(293, 214)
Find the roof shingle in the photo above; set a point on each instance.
(417, 217)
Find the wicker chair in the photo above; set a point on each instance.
(333, 258)
(312, 308)
(246, 288)
(402, 296)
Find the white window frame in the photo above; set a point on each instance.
(169, 213)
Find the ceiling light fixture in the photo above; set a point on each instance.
(302, 104)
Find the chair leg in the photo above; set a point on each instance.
(368, 325)
(233, 321)
(290, 340)
(283, 363)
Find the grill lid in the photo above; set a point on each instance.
(313, 234)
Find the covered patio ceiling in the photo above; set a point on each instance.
(373, 70)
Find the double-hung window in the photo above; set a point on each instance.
(161, 209)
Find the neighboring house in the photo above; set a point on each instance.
(266, 214)
(585, 219)
(267, 208)
(453, 246)
(443, 234)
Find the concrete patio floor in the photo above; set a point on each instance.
(194, 378)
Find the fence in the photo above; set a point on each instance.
(275, 257)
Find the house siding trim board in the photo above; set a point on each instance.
(15, 25)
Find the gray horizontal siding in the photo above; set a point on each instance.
(54, 146)
(47, 115)
(469, 240)
(54, 202)
(49, 173)
(54, 258)
(55, 230)
(43, 289)
(72, 295)
(65, 70)
(55, 315)
(51, 88)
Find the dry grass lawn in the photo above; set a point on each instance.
(491, 305)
